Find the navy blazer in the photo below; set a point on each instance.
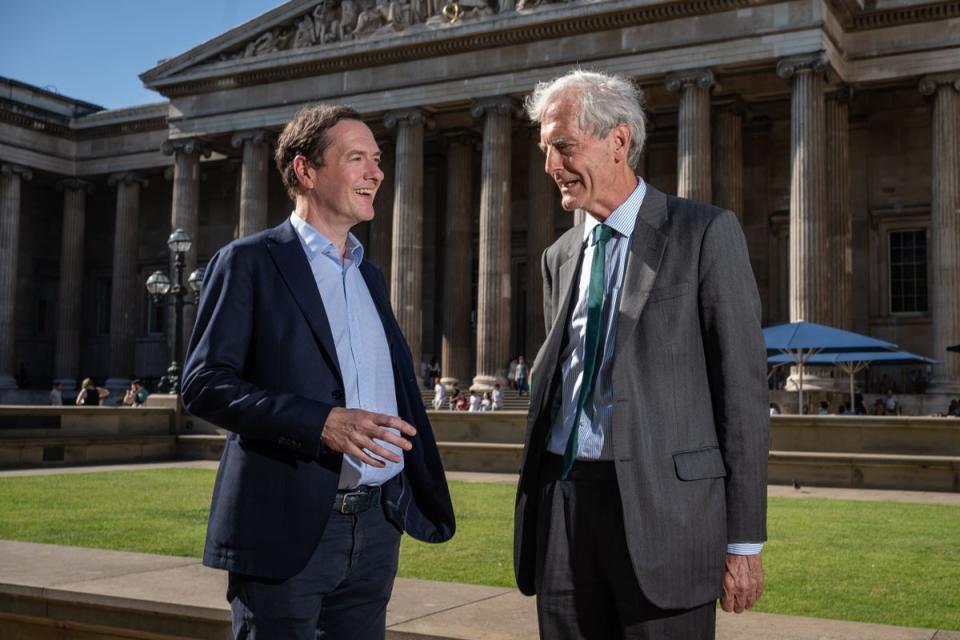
(262, 364)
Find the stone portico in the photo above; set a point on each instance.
(830, 127)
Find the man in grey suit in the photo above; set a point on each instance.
(642, 496)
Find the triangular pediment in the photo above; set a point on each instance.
(299, 28)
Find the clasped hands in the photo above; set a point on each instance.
(352, 431)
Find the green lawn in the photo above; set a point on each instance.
(882, 562)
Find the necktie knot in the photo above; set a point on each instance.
(602, 233)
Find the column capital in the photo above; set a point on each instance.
(16, 170)
(929, 84)
(75, 184)
(407, 117)
(735, 105)
(496, 104)
(789, 67)
(253, 136)
(682, 80)
(185, 145)
(458, 136)
(127, 177)
(843, 93)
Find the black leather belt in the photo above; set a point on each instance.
(349, 501)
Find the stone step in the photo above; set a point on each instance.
(20, 453)
(865, 470)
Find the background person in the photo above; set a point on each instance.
(90, 394)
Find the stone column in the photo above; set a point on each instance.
(808, 270)
(457, 290)
(126, 279)
(493, 296)
(67, 358)
(406, 269)
(542, 199)
(727, 157)
(839, 218)
(253, 180)
(693, 132)
(945, 229)
(184, 215)
(381, 228)
(10, 180)
(809, 273)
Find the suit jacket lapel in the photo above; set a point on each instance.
(647, 245)
(546, 362)
(291, 261)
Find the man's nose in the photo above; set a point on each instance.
(551, 162)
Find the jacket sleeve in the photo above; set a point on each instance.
(214, 386)
(736, 368)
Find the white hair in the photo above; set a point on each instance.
(605, 102)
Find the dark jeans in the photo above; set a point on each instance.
(586, 587)
(521, 386)
(341, 594)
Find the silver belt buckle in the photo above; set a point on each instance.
(346, 500)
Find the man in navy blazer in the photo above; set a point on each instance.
(329, 455)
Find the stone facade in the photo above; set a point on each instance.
(825, 124)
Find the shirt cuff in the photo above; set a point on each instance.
(745, 548)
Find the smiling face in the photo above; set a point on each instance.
(342, 189)
(588, 170)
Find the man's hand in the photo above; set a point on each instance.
(351, 431)
(742, 583)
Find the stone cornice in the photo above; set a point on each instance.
(86, 133)
(867, 20)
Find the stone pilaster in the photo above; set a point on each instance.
(11, 177)
(808, 269)
(67, 357)
(126, 280)
(945, 229)
(839, 245)
(542, 199)
(184, 215)
(693, 132)
(457, 290)
(727, 157)
(493, 297)
(253, 180)
(381, 228)
(406, 271)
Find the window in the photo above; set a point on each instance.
(908, 271)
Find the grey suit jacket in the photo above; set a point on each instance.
(690, 418)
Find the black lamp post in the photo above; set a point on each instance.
(160, 286)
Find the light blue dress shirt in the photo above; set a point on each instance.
(361, 343)
(593, 437)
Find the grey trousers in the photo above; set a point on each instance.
(586, 587)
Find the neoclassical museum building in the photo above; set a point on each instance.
(832, 128)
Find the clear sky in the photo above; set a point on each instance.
(94, 50)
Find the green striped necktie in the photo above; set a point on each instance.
(601, 233)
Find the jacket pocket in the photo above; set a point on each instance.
(699, 464)
(668, 292)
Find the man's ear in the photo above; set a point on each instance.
(303, 170)
(620, 140)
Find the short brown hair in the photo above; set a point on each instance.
(306, 135)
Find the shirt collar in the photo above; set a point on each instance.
(316, 244)
(624, 217)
